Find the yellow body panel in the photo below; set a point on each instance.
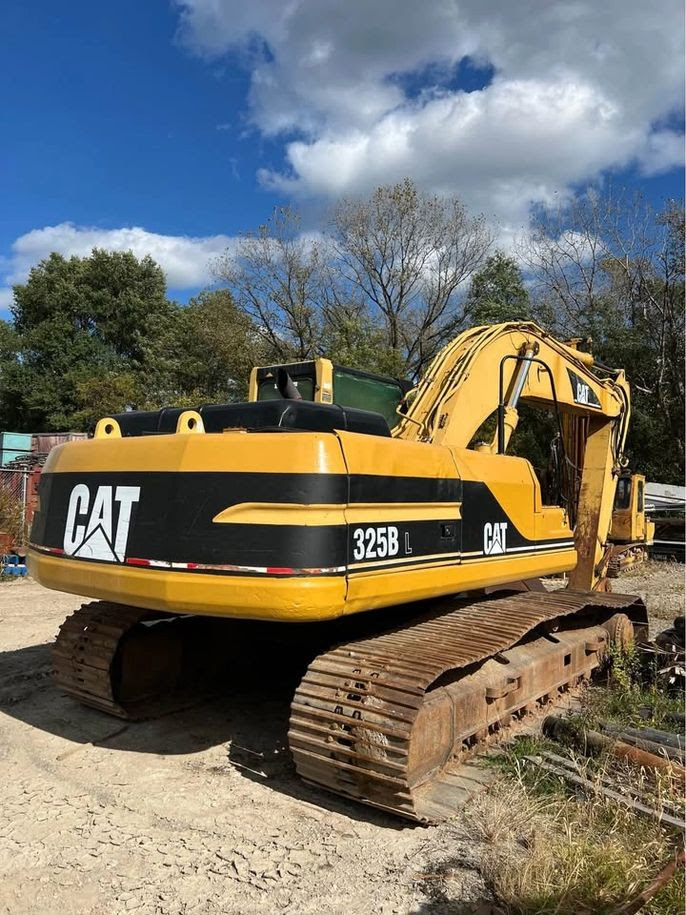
(294, 600)
(382, 466)
(286, 599)
(233, 451)
(373, 590)
(629, 522)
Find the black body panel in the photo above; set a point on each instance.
(171, 518)
(291, 415)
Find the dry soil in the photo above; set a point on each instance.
(201, 811)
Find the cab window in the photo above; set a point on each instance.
(623, 494)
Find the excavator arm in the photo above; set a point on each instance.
(487, 371)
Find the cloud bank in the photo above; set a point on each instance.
(185, 260)
(363, 93)
(578, 87)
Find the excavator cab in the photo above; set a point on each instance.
(628, 516)
(631, 532)
(322, 381)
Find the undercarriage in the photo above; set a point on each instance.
(384, 716)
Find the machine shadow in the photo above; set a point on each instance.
(247, 715)
(445, 906)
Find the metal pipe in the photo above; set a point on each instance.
(561, 729)
(523, 374)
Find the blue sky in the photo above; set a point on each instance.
(188, 121)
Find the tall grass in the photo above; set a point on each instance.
(548, 852)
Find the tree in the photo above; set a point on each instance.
(407, 254)
(274, 275)
(497, 293)
(79, 322)
(381, 286)
(613, 269)
(106, 297)
(202, 352)
(351, 338)
(100, 396)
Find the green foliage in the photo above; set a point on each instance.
(99, 302)
(202, 352)
(101, 396)
(497, 293)
(633, 696)
(353, 340)
(97, 335)
(80, 328)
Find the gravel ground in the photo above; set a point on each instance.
(661, 585)
(201, 811)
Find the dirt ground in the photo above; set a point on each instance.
(201, 811)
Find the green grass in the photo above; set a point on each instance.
(631, 690)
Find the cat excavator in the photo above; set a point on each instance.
(406, 561)
(631, 531)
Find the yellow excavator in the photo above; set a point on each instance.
(631, 532)
(408, 561)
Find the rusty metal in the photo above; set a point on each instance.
(386, 719)
(625, 556)
(595, 742)
(655, 741)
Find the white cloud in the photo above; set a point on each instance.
(186, 261)
(5, 298)
(578, 88)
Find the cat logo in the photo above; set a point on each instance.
(495, 538)
(582, 392)
(99, 529)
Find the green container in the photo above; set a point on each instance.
(367, 392)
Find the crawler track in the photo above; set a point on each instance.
(135, 663)
(84, 652)
(386, 719)
(625, 557)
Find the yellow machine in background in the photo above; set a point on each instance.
(631, 532)
(416, 551)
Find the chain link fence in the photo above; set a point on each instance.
(18, 501)
(14, 521)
